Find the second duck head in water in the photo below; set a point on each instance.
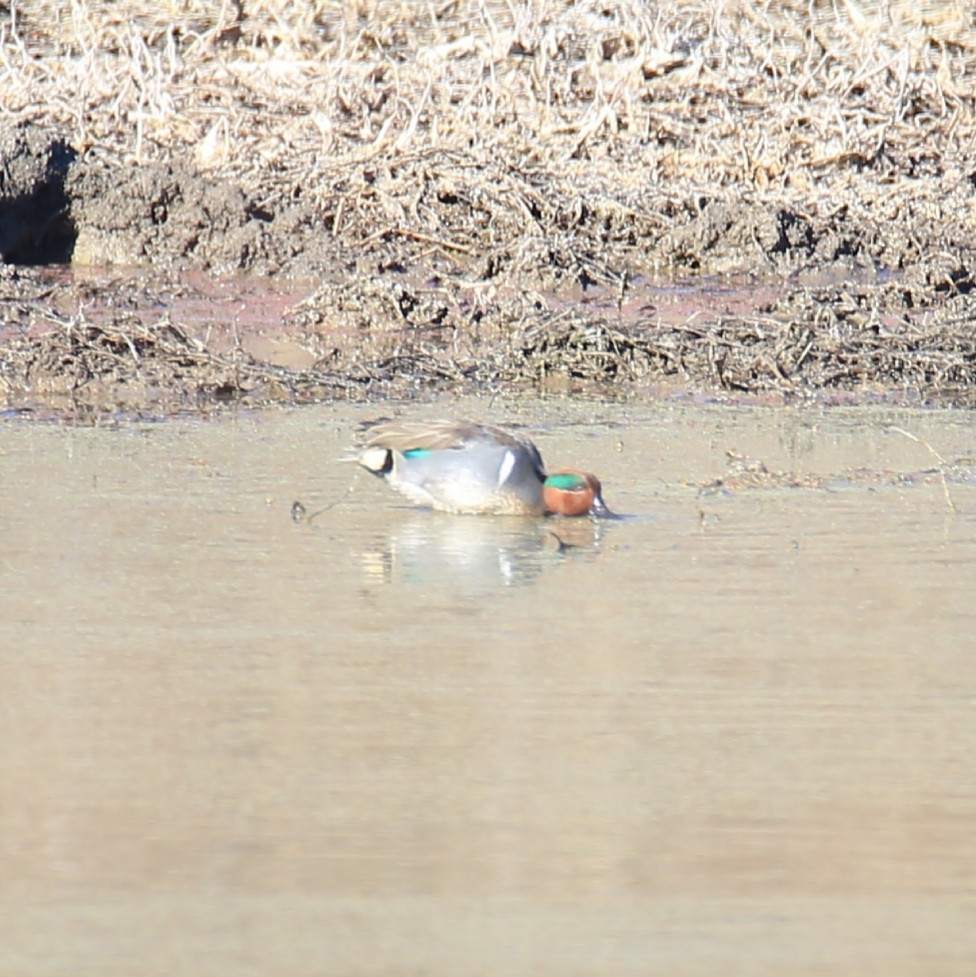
(463, 467)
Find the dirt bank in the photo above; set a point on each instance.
(472, 194)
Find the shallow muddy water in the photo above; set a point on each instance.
(733, 734)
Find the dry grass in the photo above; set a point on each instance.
(384, 338)
(531, 142)
(126, 365)
(733, 94)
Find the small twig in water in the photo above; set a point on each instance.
(562, 546)
(935, 454)
(300, 514)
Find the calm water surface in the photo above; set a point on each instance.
(735, 734)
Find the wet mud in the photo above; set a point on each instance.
(426, 242)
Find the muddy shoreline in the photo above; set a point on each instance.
(381, 202)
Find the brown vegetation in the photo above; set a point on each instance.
(508, 155)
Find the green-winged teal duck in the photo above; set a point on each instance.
(463, 467)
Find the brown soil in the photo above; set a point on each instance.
(485, 195)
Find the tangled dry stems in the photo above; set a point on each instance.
(304, 89)
(531, 142)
